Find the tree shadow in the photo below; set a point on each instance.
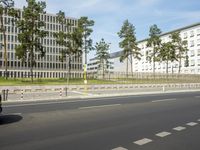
(8, 119)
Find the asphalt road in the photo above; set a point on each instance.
(143, 122)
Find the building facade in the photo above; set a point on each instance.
(94, 66)
(189, 33)
(50, 65)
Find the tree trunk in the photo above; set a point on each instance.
(179, 67)
(153, 63)
(127, 68)
(31, 69)
(5, 47)
(131, 66)
(85, 56)
(167, 64)
(103, 69)
(69, 69)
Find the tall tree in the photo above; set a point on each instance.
(5, 6)
(70, 41)
(85, 26)
(102, 54)
(154, 42)
(129, 44)
(167, 53)
(31, 33)
(181, 47)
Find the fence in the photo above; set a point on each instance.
(117, 76)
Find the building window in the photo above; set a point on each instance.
(198, 32)
(192, 63)
(198, 52)
(185, 35)
(191, 33)
(198, 42)
(198, 62)
(192, 53)
(191, 43)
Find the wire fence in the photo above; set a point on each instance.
(145, 77)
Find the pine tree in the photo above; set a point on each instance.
(129, 45)
(181, 47)
(31, 33)
(102, 54)
(154, 42)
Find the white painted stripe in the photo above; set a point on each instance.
(13, 114)
(198, 120)
(100, 106)
(119, 148)
(163, 134)
(192, 124)
(143, 141)
(180, 128)
(83, 93)
(164, 100)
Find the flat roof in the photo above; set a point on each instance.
(176, 30)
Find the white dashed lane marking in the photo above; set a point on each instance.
(198, 120)
(119, 148)
(164, 100)
(143, 141)
(100, 106)
(163, 134)
(192, 124)
(180, 128)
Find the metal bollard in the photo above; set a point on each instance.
(66, 91)
(163, 88)
(22, 95)
(60, 92)
(0, 104)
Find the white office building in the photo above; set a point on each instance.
(50, 65)
(190, 33)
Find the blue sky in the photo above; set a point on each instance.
(109, 15)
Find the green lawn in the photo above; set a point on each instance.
(14, 82)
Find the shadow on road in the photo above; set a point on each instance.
(8, 119)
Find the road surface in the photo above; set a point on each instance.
(139, 122)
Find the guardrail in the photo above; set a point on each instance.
(62, 91)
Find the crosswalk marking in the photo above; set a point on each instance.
(163, 134)
(119, 148)
(180, 128)
(143, 141)
(192, 124)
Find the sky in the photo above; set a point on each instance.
(109, 15)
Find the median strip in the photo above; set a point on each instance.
(100, 106)
(163, 100)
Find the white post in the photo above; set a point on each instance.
(22, 94)
(163, 88)
(60, 92)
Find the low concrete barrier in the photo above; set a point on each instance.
(60, 91)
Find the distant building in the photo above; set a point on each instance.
(47, 67)
(190, 33)
(94, 66)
